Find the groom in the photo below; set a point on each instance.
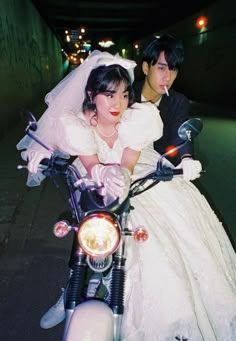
(161, 61)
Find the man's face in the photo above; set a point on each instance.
(158, 76)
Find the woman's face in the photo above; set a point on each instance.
(111, 104)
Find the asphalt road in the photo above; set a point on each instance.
(33, 264)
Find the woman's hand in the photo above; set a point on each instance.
(34, 159)
(114, 178)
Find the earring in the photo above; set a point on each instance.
(93, 121)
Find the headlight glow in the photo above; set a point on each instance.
(99, 234)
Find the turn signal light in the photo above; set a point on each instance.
(61, 229)
(140, 234)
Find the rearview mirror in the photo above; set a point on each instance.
(29, 120)
(31, 126)
(190, 129)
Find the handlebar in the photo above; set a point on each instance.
(60, 166)
(57, 164)
(162, 173)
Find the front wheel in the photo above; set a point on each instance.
(91, 321)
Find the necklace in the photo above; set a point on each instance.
(104, 135)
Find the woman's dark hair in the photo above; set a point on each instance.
(103, 79)
(172, 48)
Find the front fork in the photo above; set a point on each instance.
(117, 297)
(76, 284)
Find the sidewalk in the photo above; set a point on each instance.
(13, 189)
(12, 184)
(27, 216)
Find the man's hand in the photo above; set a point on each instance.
(191, 168)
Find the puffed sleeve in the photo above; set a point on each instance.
(140, 125)
(70, 133)
(75, 136)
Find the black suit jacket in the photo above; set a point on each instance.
(174, 110)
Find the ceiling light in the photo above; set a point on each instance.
(201, 22)
(106, 43)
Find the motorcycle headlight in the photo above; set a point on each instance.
(99, 234)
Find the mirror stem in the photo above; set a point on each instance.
(177, 148)
(38, 141)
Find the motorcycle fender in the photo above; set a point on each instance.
(91, 321)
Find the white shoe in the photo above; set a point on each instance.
(55, 315)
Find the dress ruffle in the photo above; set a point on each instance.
(140, 125)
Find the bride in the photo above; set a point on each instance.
(181, 283)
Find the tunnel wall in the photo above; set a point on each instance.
(209, 71)
(30, 60)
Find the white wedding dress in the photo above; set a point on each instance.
(181, 283)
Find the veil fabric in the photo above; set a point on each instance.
(69, 94)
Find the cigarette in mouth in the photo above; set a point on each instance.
(166, 90)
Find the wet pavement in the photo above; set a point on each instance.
(33, 264)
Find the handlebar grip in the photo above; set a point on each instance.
(45, 162)
(54, 165)
(177, 171)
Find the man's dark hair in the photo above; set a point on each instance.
(172, 48)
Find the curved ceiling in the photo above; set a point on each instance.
(123, 20)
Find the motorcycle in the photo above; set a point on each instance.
(101, 232)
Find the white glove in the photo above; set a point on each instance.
(115, 179)
(191, 168)
(34, 159)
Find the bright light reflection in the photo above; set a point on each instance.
(106, 44)
(201, 22)
(123, 52)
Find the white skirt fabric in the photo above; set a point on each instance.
(181, 282)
